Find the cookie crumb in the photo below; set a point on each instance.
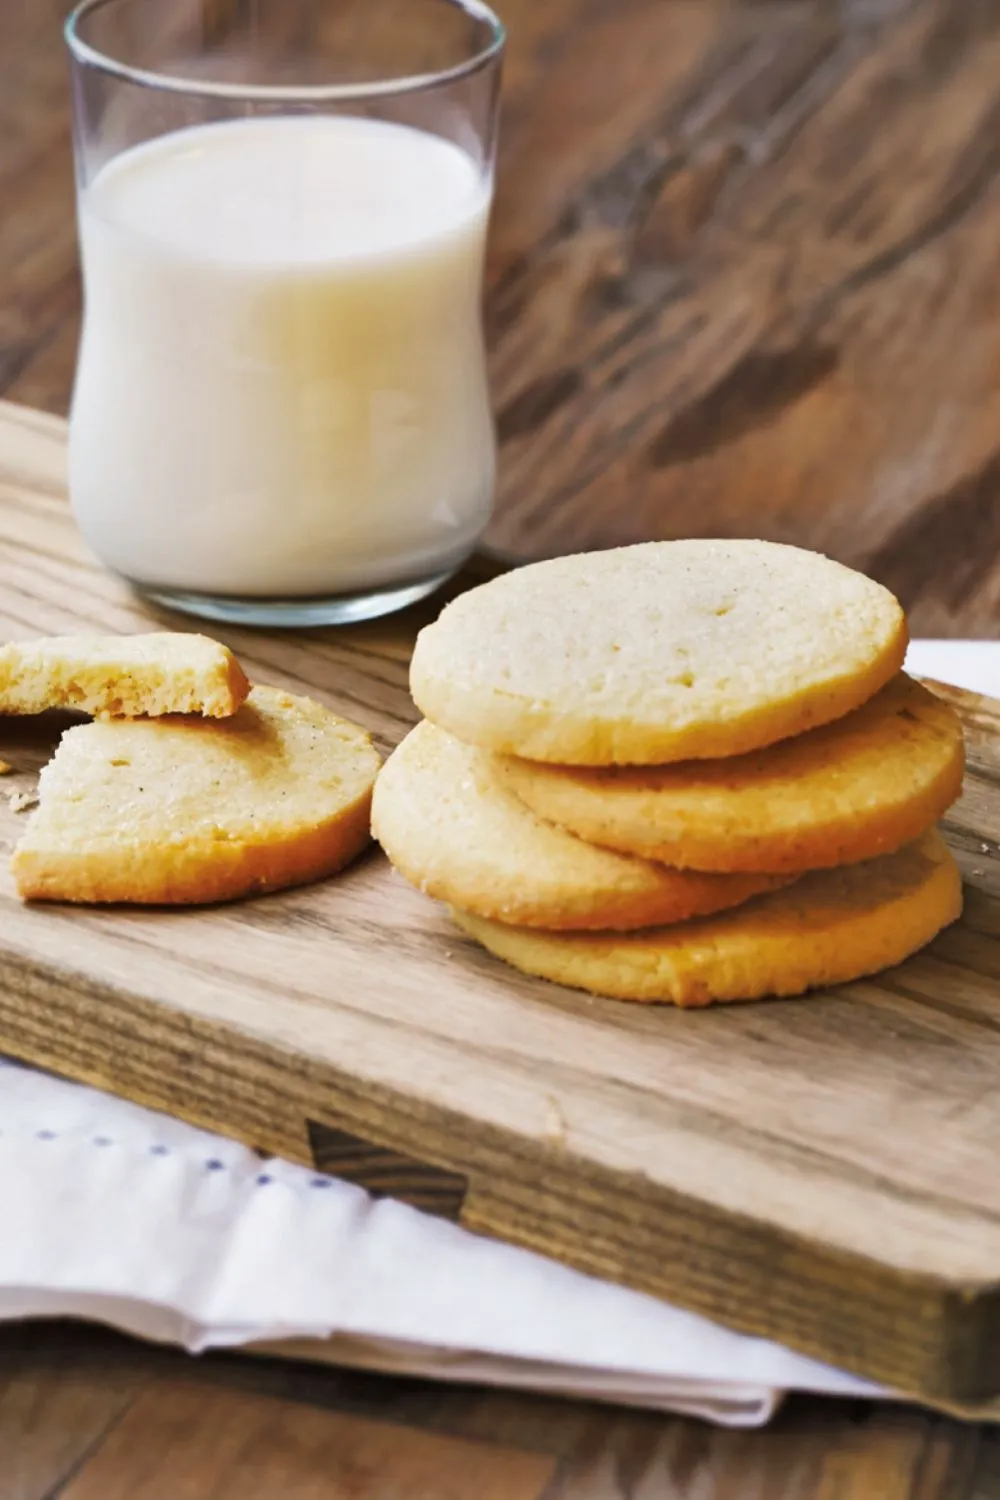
(555, 1122)
(21, 801)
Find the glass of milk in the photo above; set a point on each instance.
(281, 413)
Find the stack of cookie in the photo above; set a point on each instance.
(682, 771)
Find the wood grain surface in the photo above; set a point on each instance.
(758, 241)
(815, 1171)
(84, 1413)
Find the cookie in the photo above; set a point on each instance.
(450, 827)
(189, 810)
(861, 786)
(160, 673)
(661, 652)
(827, 928)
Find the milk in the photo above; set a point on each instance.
(281, 386)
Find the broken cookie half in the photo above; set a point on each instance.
(187, 810)
(129, 675)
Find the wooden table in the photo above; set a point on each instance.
(745, 279)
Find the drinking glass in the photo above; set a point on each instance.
(281, 413)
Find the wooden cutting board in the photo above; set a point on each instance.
(823, 1172)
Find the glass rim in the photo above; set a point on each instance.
(380, 88)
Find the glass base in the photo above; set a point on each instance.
(285, 614)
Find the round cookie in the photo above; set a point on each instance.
(186, 810)
(827, 928)
(453, 830)
(861, 786)
(661, 652)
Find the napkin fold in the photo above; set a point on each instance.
(125, 1216)
(128, 1217)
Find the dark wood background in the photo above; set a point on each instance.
(745, 279)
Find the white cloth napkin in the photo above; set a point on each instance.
(127, 1217)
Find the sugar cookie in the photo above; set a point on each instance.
(861, 786)
(164, 672)
(660, 652)
(826, 929)
(453, 830)
(186, 810)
